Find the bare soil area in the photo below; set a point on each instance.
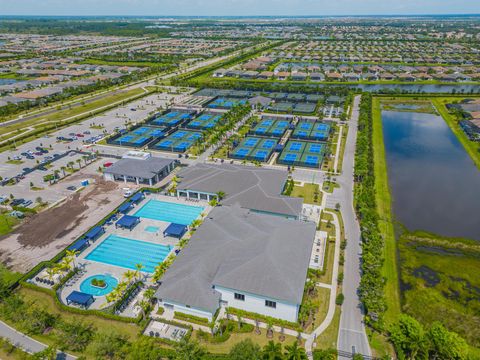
(40, 237)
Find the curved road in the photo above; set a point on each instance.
(26, 343)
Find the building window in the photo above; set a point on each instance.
(271, 304)
(240, 297)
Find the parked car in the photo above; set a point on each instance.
(16, 202)
(27, 203)
(87, 132)
(72, 188)
(80, 135)
(17, 158)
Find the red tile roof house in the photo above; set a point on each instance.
(265, 75)
(387, 76)
(282, 75)
(334, 76)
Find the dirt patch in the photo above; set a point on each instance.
(43, 235)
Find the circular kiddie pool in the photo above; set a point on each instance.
(98, 285)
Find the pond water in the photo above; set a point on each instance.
(434, 183)
(7, 81)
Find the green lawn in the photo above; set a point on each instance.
(383, 199)
(328, 339)
(307, 192)
(261, 340)
(46, 301)
(7, 223)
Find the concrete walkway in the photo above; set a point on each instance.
(333, 291)
(26, 343)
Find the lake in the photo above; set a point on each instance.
(434, 183)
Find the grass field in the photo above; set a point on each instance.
(383, 199)
(328, 339)
(307, 192)
(261, 340)
(46, 302)
(441, 282)
(7, 223)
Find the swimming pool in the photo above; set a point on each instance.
(169, 212)
(124, 252)
(110, 283)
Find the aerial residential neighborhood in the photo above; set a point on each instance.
(192, 181)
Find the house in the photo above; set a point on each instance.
(140, 168)
(241, 259)
(219, 73)
(316, 76)
(334, 76)
(254, 188)
(282, 75)
(265, 75)
(299, 76)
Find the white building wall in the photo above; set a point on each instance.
(255, 303)
(187, 310)
(109, 177)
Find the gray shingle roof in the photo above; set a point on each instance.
(144, 168)
(251, 187)
(241, 250)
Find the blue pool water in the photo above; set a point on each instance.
(87, 287)
(169, 212)
(123, 252)
(152, 229)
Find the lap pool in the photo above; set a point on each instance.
(169, 212)
(124, 252)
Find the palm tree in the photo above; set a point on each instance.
(79, 162)
(51, 272)
(63, 168)
(220, 194)
(72, 254)
(55, 173)
(294, 352)
(129, 275)
(272, 351)
(85, 158)
(138, 269)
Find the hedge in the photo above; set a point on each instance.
(192, 318)
(264, 318)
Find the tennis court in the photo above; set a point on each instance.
(226, 103)
(254, 149)
(302, 153)
(271, 127)
(311, 130)
(204, 121)
(179, 141)
(172, 118)
(139, 137)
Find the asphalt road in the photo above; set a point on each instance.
(352, 337)
(27, 343)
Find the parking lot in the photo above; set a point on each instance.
(48, 152)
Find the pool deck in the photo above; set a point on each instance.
(137, 233)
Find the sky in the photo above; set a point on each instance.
(237, 7)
